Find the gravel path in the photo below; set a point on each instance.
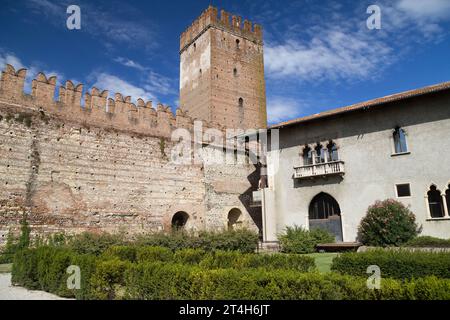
(8, 292)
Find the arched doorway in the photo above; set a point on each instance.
(179, 220)
(325, 213)
(233, 218)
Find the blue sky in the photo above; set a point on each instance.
(318, 54)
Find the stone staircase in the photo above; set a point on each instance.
(268, 247)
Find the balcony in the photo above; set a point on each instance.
(334, 168)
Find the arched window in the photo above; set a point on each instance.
(320, 153)
(435, 202)
(332, 151)
(179, 220)
(233, 218)
(323, 206)
(400, 140)
(307, 156)
(235, 72)
(237, 44)
(241, 102)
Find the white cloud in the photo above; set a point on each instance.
(426, 9)
(106, 81)
(130, 63)
(331, 54)
(9, 58)
(108, 26)
(280, 109)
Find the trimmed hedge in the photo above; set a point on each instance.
(428, 242)
(233, 240)
(232, 276)
(158, 281)
(397, 264)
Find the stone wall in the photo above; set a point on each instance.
(104, 166)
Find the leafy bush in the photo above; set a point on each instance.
(233, 240)
(398, 264)
(24, 269)
(14, 244)
(189, 256)
(96, 244)
(108, 279)
(124, 253)
(388, 223)
(298, 240)
(428, 242)
(236, 260)
(152, 254)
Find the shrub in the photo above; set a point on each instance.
(189, 256)
(124, 253)
(236, 260)
(398, 264)
(298, 240)
(14, 244)
(52, 264)
(108, 279)
(152, 254)
(24, 269)
(387, 223)
(159, 281)
(233, 240)
(428, 242)
(96, 244)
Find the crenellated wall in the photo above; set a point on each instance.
(104, 165)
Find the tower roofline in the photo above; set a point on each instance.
(210, 19)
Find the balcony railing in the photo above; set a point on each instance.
(319, 170)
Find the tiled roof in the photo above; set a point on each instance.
(366, 104)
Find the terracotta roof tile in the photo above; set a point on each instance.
(367, 104)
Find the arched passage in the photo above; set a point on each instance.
(325, 213)
(233, 218)
(179, 220)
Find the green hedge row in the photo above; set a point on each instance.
(112, 278)
(428, 242)
(397, 264)
(44, 268)
(159, 281)
(212, 260)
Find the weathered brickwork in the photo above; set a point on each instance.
(99, 162)
(222, 71)
(75, 169)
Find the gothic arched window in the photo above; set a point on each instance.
(320, 153)
(307, 156)
(323, 206)
(435, 202)
(332, 151)
(400, 140)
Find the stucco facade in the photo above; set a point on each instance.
(369, 168)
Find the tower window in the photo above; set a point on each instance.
(235, 72)
(195, 46)
(241, 102)
(237, 43)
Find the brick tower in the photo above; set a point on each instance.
(222, 71)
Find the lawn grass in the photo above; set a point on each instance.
(323, 260)
(5, 268)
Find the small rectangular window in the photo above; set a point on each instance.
(403, 190)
